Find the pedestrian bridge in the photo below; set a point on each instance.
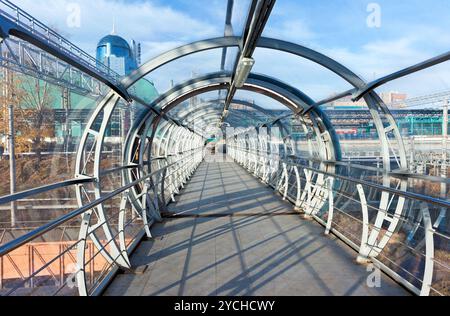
(202, 190)
(230, 235)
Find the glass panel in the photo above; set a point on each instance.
(312, 79)
(35, 211)
(250, 109)
(417, 103)
(51, 109)
(239, 17)
(49, 124)
(262, 101)
(372, 38)
(44, 267)
(179, 71)
(168, 24)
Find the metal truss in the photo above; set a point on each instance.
(196, 116)
(379, 110)
(22, 57)
(16, 22)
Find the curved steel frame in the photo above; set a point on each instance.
(297, 101)
(386, 128)
(377, 107)
(198, 111)
(156, 142)
(147, 200)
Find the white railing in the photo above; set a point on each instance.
(414, 251)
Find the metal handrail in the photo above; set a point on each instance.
(18, 196)
(409, 195)
(315, 193)
(395, 174)
(23, 240)
(401, 218)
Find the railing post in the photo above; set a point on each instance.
(364, 248)
(309, 193)
(61, 265)
(330, 205)
(429, 252)
(299, 190)
(145, 206)
(122, 220)
(1, 272)
(163, 193)
(81, 255)
(31, 266)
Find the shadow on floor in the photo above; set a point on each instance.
(235, 237)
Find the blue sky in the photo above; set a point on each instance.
(410, 31)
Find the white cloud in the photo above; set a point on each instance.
(152, 49)
(160, 28)
(291, 30)
(143, 21)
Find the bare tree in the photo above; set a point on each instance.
(33, 114)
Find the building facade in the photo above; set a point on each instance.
(115, 52)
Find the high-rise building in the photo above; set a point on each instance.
(116, 53)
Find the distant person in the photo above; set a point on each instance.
(2, 151)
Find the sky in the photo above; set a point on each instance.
(372, 38)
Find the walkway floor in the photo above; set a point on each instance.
(223, 244)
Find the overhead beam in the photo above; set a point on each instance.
(202, 106)
(287, 95)
(177, 53)
(399, 74)
(330, 99)
(227, 32)
(256, 24)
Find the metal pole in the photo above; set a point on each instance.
(445, 139)
(413, 155)
(444, 166)
(12, 163)
(123, 135)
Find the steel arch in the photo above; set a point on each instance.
(292, 98)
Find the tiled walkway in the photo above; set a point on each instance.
(233, 236)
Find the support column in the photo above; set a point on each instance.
(412, 162)
(67, 130)
(12, 163)
(444, 166)
(445, 139)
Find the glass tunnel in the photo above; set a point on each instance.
(86, 180)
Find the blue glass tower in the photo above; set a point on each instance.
(116, 53)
